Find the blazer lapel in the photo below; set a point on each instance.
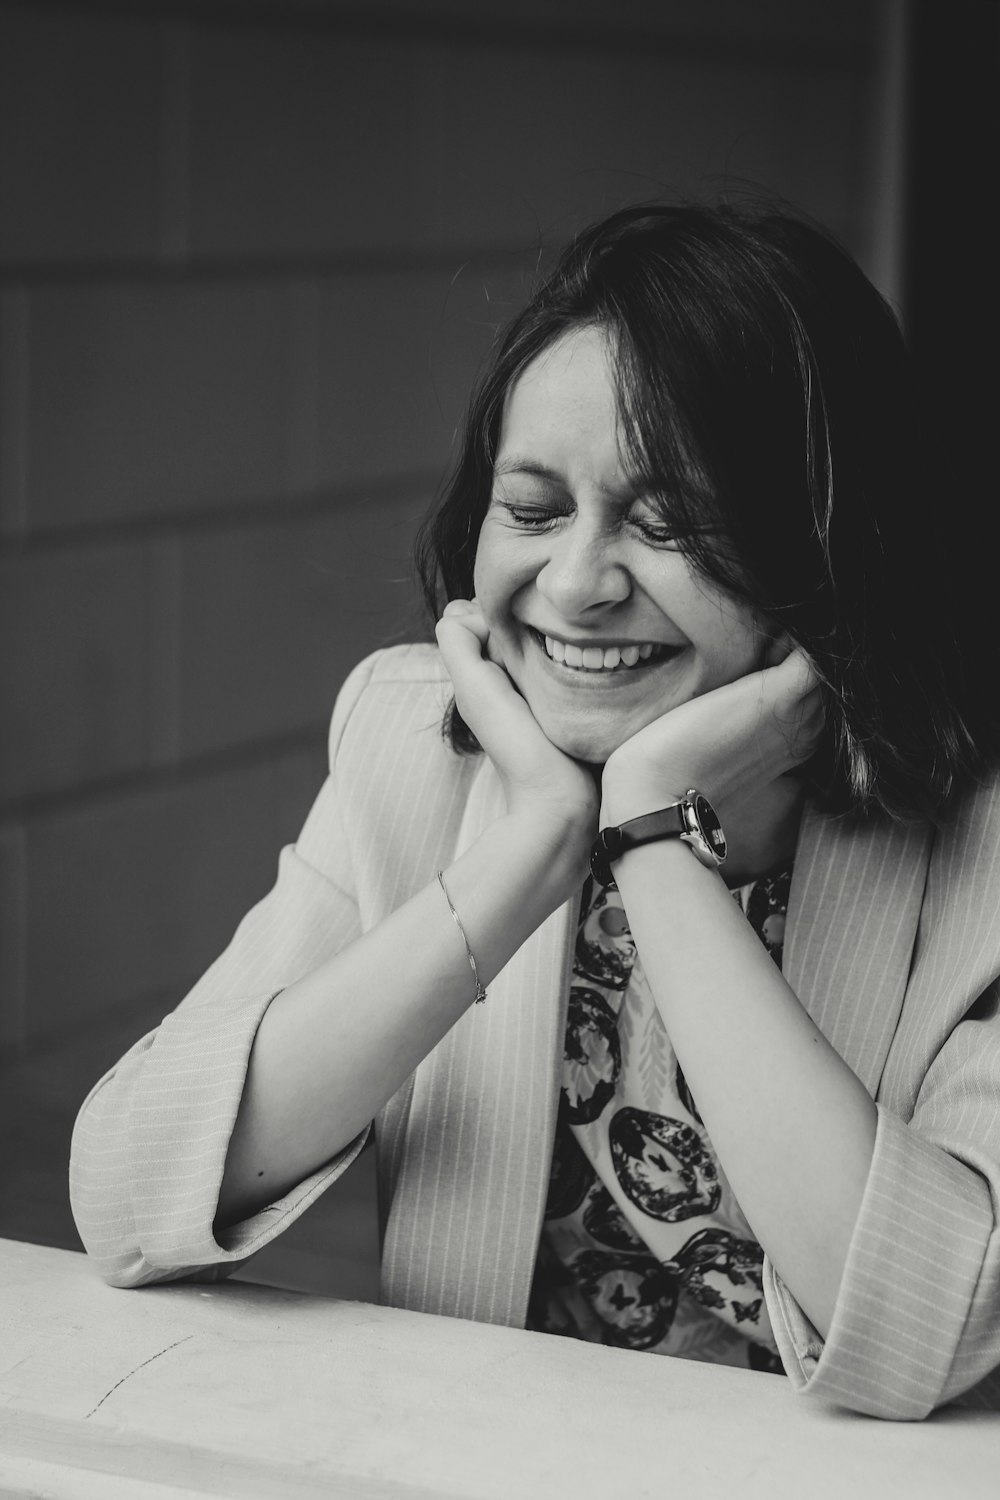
(462, 1231)
(852, 921)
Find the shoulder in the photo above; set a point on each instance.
(948, 870)
(967, 842)
(959, 932)
(388, 696)
(966, 833)
(982, 799)
(400, 787)
(418, 661)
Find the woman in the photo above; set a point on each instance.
(693, 607)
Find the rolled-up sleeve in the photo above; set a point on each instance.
(150, 1142)
(917, 1318)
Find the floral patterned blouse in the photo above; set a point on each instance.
(644, 1245)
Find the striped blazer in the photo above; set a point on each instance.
(892, 943)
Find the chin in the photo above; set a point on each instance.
(591, 744)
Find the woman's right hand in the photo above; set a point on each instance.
(538, 779)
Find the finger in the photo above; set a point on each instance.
(455, 608)
(787, 713)
(799, 708)
(487, 698)
(800, 670)
(492, 651)
(463, 638)
(792, 679)
(778, 647)
(466, 615)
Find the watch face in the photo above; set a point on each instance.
(709, 826)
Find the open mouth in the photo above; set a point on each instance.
(624, 658)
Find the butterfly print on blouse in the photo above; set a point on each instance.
(731, 1261)
(635, 1298)
(662, 1165)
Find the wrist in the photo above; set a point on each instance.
(509, 881)
(624, 796)
(689, 818)
(554, 843)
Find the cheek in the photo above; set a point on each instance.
(498, 574)
(731, 642)
(742, 653)
(484, 573)
(485, 578)
(488, 596)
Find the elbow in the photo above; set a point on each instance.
(111, 1249)
(101, 1203)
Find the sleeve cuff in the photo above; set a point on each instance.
(244, 1239)
(182, 1122)
(912, 1267)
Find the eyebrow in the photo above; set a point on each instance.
(518, 465)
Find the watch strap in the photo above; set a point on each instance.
(611, 843)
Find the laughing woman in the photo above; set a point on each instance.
(696, 794)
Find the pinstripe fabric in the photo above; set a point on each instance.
(893, 944)
(918, 1315)
(852, 918)
(483, 1111)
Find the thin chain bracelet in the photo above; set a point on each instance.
(480, 992)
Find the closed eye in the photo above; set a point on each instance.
(663, 533)
(531, 517)
(660, 533)
(538, 516)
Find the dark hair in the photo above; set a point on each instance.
(767, 402)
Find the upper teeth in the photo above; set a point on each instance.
(597, 658)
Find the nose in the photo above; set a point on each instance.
(583, 572)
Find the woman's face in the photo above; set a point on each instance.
(599, 620)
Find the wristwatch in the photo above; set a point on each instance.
(692, 819)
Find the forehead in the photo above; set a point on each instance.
(564, 405)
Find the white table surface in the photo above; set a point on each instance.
(246, 1391)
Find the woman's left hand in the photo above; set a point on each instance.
(729, 743)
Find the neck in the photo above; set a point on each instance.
(762, 831)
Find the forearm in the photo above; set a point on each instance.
(792, 1125)
(336, 1044)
